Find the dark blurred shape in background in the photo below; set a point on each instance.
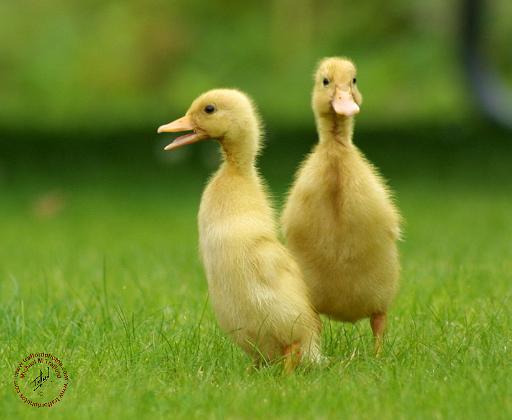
(484, 59)
(120, 65)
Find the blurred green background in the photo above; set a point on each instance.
(121, 65)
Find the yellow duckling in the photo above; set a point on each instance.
(256, 288)
(339, 220)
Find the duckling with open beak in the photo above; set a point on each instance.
(256, 288)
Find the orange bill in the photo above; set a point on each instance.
(344, 104)
(183, 124)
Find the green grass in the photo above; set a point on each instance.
(112, 285)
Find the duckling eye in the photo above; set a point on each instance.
(325, 81)
(354, 80)
(209, 109)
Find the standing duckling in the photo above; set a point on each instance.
(256, 288)
(339, 221)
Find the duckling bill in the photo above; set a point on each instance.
(183, 124)
(256, 288)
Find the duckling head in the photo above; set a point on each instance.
(226, 115)
(335, 91)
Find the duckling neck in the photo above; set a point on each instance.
(335, 128)
(239, 155)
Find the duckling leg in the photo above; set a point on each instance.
(292, 356)
(378, 323)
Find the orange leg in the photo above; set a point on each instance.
(292, 355)
(378, 323)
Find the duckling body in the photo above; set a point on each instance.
(343, 231)
(339, 221)
(256, 288)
